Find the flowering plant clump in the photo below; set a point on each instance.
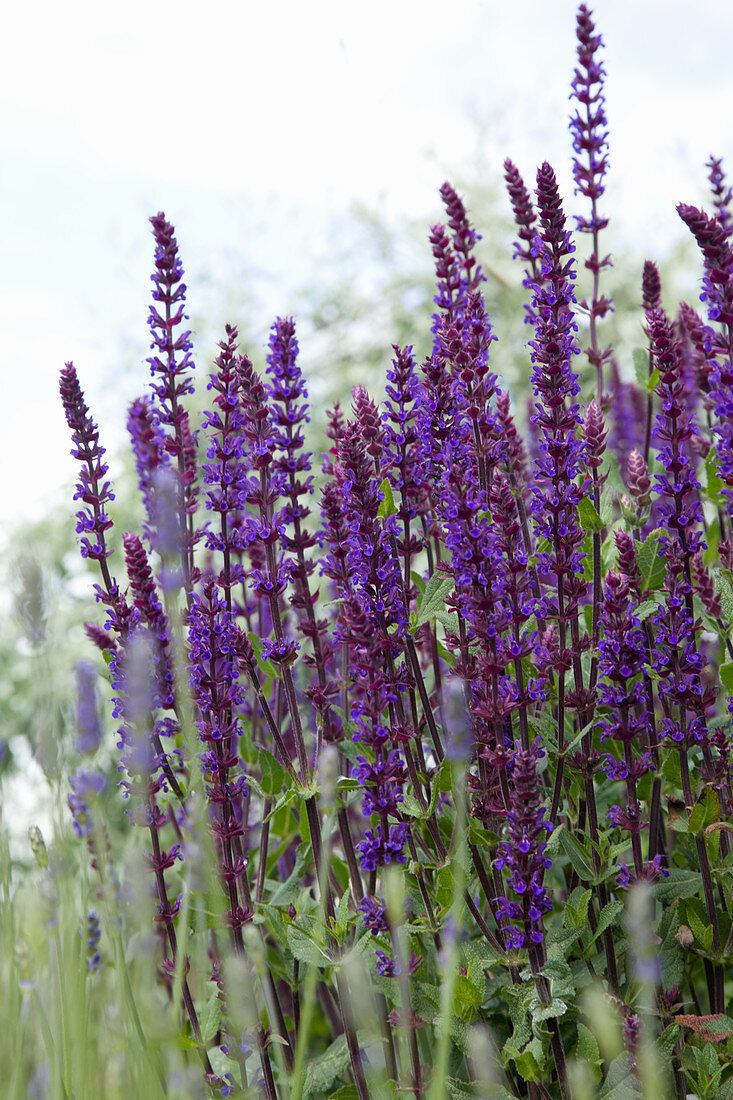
(428, 742)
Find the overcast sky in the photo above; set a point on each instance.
(251, 123)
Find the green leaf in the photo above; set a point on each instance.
(620, 1083)
(681, 883)
(387, 506)
(576, 908)
(466, 993)
(588, 516)
(411, 806)
(221, 1064)
(458, 1090)
(441, 783)
(539, 1011)
(325, 1070)
(714, 483)
(726, 675)
(578, 855)
(531, 1061)
(210, 1018)
(273, 774)
(725, 590)
(342, 914)
(705, 812)
(587, 1047)
(707, 1060)
(651, 563)
(607, 917)
(644, 610)
(665, 1044)
(654, 379)
(641, 367)
(305, 949)
(608, 506)
(432, 600)
(517, 999)
(702, 932)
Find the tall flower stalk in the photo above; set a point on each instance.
(590, 164)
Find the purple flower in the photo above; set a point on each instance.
(651, 286)
(651, 872)
(289, 412)
(524, 215)
(148, 604)
(92, 520)
(225, 474)
(716, 344)
(588, 124)
(464, 239)
(382, 782)
(171, 366)
(375, 915)
(622, 657)
(522, 854)
(386, 965)
(679, 507)
(371, 560)
(722, 193)
(403, 456)
(213, 667)
(556, 494)
(376, 851)
(458, 275)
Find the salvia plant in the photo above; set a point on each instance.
(427, 741)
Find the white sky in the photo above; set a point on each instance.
(249, 123)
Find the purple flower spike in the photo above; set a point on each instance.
(171, 367)
(366, 417)
(172, 364)
(91, 488)
(152, 615)
(562, 454)
(464, 239)
(623, 652)
(651, 286)
(712, 240)
(679, 490)
(522, 854)
(524, 212)
(638, 481)
(289, 410)
(225, 473)
(722, 194)
(588, 124)
(595, 435)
